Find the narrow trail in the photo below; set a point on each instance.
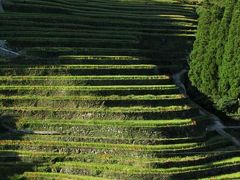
(218, 126)
(3, 49)
(6, 52)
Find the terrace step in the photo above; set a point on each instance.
(116, 128)
(224, 176)
(77, 33)
(93, 23)
(91, 90)
(86, 80)
(168, 112)
(128, 171)
(183, 160)
(186, 30)
(162, 60)
(82, 70)
(95, 33)
(102, 139)
(8, 33)
(103, 8)
(117, 60)
(128, 150)
(71, 42)
(52, 176)
(89, 59)
(124, 171)
(108, 101)
(124, 34)
(45, 52)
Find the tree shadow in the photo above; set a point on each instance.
(11, 163)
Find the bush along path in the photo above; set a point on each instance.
(94, 78)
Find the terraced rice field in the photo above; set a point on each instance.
(91, 96)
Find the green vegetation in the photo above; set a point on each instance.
(223, 177)
(91, 95)
(214, 64)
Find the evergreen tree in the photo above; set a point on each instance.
(229, 84)
(215, 59)
(197, 55)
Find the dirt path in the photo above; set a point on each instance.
(8, 53)
(3, 49)
(217, 123)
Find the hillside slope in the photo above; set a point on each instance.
(91, 96)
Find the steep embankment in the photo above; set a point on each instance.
(95, 77)
(215, 60)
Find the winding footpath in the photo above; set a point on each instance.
(6, 52)
(217, 125)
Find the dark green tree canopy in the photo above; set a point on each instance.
(215, 59)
